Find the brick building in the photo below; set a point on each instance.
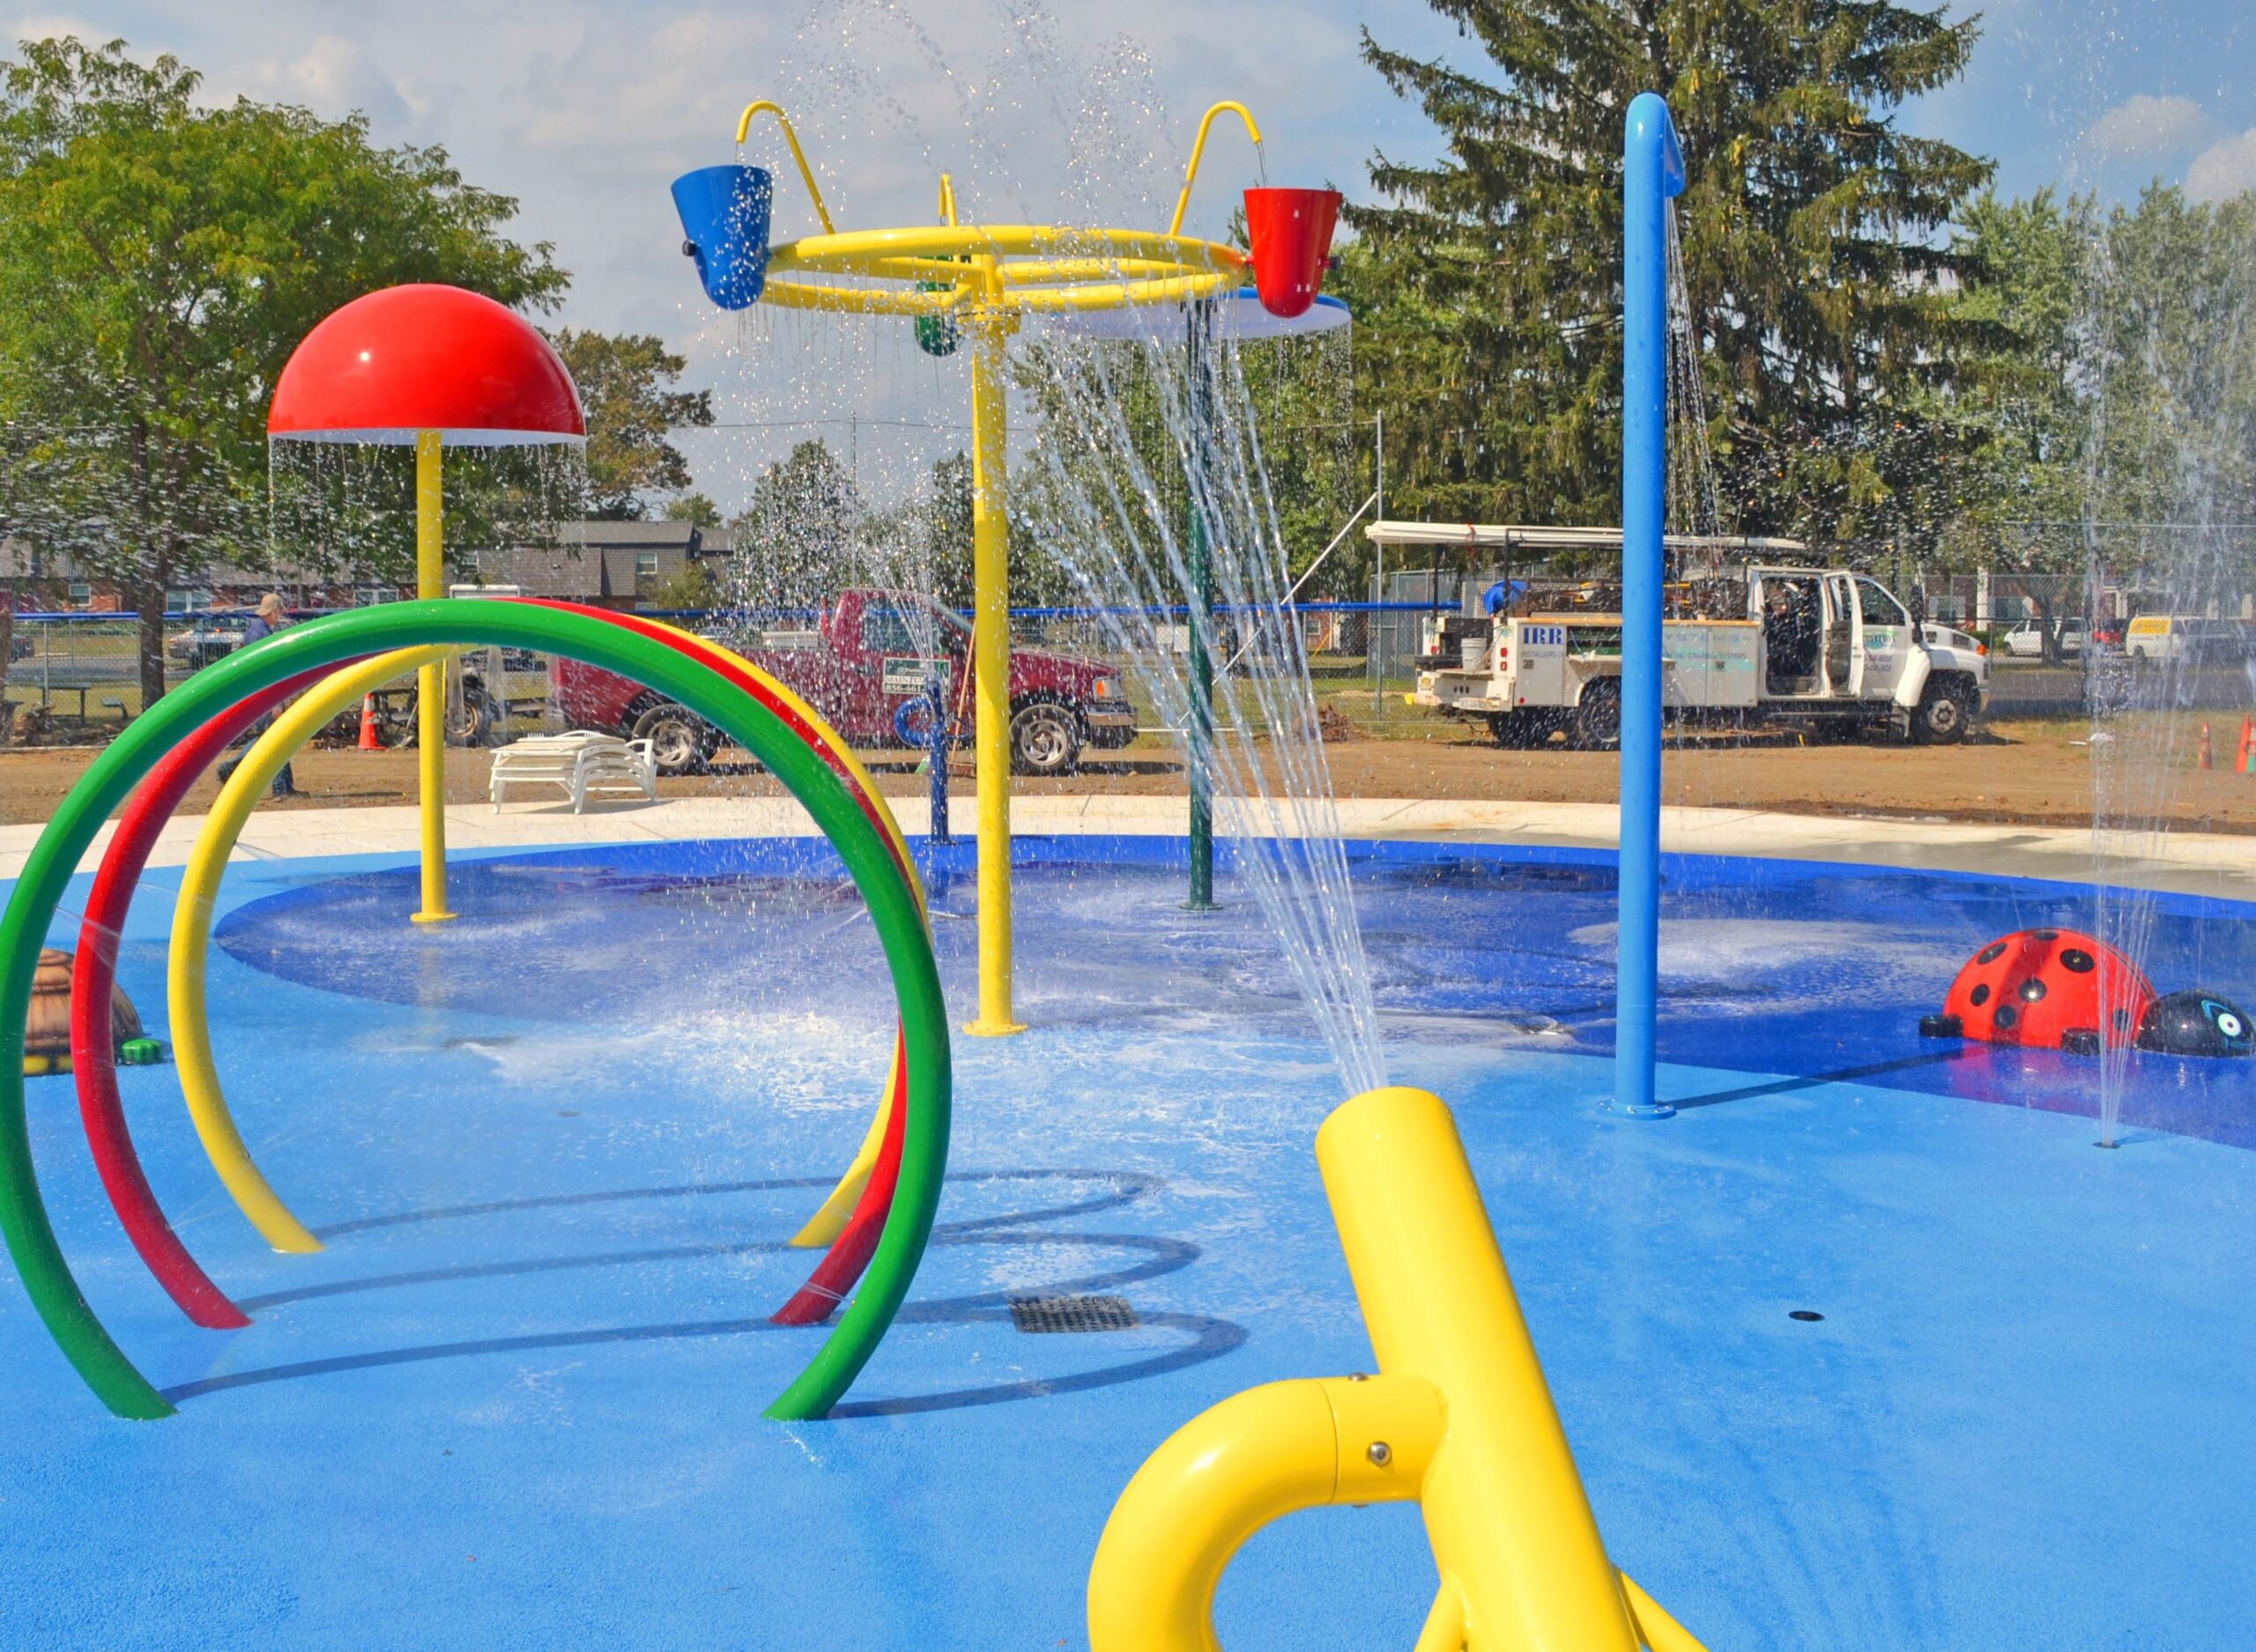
(607, 564)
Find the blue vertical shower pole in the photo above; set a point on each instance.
(1652, 171)
(1199, 738)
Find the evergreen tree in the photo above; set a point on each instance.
(1488, 284)
(795, 541)
(2028, 268)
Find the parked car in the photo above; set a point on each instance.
(863, 666)
(192, 650)
(2026, 641)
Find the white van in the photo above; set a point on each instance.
(2185, 637)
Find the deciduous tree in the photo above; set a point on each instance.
(627, 388)
(159, 262)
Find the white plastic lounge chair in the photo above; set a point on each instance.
(578, 764)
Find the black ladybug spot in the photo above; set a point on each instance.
(1807, 1315)
(2005, 1019)
(1991, 953)
(1980, 995)
(2045, 934)
(2077, 960)
(2122, 1020)
(2031, 990)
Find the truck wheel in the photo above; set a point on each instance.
(472, 720)
(1598, 718)
(1943, 714)
(680, 742)
(467, 723)
(1045, 739)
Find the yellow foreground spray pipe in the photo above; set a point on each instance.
(199, 889)
(991, 651)
(431, 685)
(1460, 1417)
(1255, 1457)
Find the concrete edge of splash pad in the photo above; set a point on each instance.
(2188, 862)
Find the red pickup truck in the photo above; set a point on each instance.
(863, 665)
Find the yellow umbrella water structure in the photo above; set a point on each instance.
(982, 280)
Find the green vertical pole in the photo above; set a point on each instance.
(1200, 738)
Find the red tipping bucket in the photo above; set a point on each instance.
(1291, 233)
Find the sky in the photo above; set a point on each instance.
(585, 109)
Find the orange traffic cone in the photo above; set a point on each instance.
(2207, 759)
(368, 741)
(2245, 761)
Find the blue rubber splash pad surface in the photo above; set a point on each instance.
(555, 1149)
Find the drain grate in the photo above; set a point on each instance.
(1046, 1314)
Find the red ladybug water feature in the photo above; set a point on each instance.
(2045, 989)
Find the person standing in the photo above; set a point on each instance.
(267, 618)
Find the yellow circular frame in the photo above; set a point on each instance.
(1026, 267)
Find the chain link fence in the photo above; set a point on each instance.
(75, 678)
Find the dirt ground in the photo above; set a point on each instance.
(2028, 772)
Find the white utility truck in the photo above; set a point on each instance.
(1751, 640)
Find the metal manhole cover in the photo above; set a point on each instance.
(1042, 1313)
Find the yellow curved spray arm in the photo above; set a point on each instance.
(199, 889)
(806, 172)
(1198, 148)
(948, 200)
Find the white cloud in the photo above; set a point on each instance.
(55, 27)
(2146, 127)
(625, 86)
(584, 110)
(334, 76)
(2224, 169)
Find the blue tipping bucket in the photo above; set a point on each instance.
(724, 213)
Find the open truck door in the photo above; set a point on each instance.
(1844, 643)
(1890, 642)
(1790, 605)
(904, 646)
(1919, 660)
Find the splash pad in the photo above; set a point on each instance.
(961, 1493)
(578, 1307)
